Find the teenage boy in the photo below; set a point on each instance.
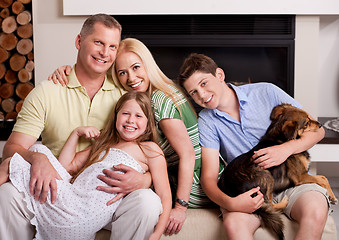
(233, 121)
(54, 111)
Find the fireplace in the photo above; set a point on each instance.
(250, 48)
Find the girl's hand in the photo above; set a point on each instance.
(88, 132)
(60, 75)
(247, 202)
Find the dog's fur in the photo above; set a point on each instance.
(242, 174)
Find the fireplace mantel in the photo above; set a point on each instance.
(122, 7)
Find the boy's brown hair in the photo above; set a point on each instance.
(196, 62)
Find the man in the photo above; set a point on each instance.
(233, 121)
(53, 111)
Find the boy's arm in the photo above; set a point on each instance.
(275, 155)
(209, 181)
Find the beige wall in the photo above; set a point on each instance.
(329, 66)
(317, 45)
(54, 37)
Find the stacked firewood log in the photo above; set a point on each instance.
(16, 56)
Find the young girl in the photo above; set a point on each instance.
(136, 70)
(80, 210)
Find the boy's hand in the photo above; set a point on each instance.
(271, 156)
(248, 202)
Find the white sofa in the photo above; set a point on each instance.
(204, 224)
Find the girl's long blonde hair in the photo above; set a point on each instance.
(158, 80)
(110, 136)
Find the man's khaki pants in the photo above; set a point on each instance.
(134, 218)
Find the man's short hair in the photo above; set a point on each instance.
(107, 20)
(196, 63)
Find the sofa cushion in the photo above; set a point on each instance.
(204, 224)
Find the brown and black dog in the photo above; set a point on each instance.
(242, 174)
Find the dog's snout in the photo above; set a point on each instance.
(320, 124)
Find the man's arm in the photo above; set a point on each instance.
(20, 143)
(43, 174)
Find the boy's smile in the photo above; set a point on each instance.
(204, 88)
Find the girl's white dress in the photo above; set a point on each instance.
(80, 210)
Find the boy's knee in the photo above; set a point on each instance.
(231, 223)
(240, 224)
(318, 215)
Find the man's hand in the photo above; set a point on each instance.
(43, 178)
(123, 184)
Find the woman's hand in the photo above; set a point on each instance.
(60, 75)
(176, 220)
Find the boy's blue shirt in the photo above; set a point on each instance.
(220, 131)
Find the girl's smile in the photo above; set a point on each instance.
(131, 121)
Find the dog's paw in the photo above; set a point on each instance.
(333, 201)
(282, 204)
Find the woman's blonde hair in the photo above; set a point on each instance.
(158, 80)
(110, 136)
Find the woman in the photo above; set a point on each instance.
(136, 70)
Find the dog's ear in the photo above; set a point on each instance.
(290, 129)
(276, 112)
(279, 110)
